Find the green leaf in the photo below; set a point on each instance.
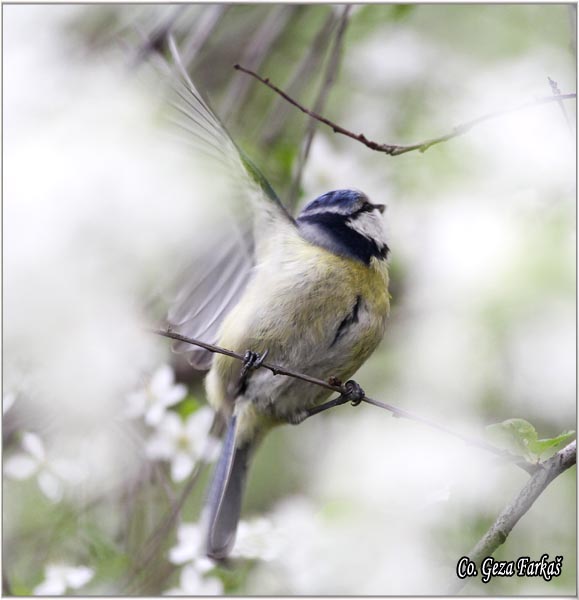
(540, 447)
(187, 406)
(520, 438)
(513, 435)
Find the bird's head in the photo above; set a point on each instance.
(346, 223)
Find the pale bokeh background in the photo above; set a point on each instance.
(100, 205)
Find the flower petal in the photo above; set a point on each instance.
(199, 423)
(174, 394)
(204, 564)
(189, 544)
(33, 445)
(54, 583)
(211, 449)
(161, 380)
(211, 587)
(8, 400)
(181, 466)
(189, 531)
(76, 577)
(171, 425)
(51, 487)
(190, 580)
(50, 587)
(182, 553)
(20, 466)
(160, 447)
(68, 471)
(154, 414)
(257, 539)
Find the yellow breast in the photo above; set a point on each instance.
(293, 306)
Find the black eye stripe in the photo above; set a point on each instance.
(332, 231)
(366, 207)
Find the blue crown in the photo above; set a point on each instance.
(328, 222)
(341, 202)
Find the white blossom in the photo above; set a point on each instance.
(8, 400)
(192, 583)
(257, 539)
(153, 400)
(52, 475)
(190, 548)
(183, 442)
(58, 578)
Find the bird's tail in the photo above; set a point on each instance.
(223, 505)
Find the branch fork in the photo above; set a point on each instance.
(397, 149)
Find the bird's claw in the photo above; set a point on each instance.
(353, 392)
(253, 360)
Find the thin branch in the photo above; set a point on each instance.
(510, 516)
(154, 542)
(341, 389)
(329, 78)
(395, 149)
(557, 93)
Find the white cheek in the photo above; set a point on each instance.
(370, 226)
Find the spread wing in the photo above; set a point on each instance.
(215, 280)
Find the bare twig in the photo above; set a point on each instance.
(156, 539)
(343, 391)
(329, 78)
(557, 93)
(395, 149)
(510, 516)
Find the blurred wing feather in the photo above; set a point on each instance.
(214, 282)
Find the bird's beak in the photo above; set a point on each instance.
(380, 207)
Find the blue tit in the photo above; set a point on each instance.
(310, 291)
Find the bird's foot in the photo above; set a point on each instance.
(253, 360)
(354, 393)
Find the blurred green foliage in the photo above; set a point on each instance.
(448, 56)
